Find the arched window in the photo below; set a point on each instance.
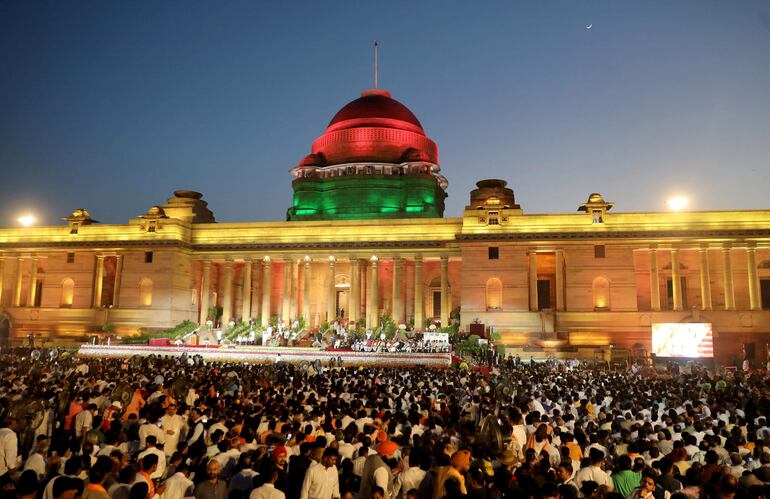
(67, 293)
(145, 292)
(494, 294)
(601, 288)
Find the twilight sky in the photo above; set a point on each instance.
(112, 105)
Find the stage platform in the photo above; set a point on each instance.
(268, 355)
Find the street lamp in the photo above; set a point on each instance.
(27, 220)
(677, 203)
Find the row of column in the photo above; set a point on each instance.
(19, 283)
(98, 283)
(755, 299)
(357, 283)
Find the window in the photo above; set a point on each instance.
(38, 293)
(67, 293)
(494, 290)
(543, 294)
(153, 226)
(70, 257)
(601, 291)
(145, 292)
(493, 218)
(597, 216)
(764, 292)
(599, 251)
(148, 257)
(74, 228)
(494, 253)
(670, 293)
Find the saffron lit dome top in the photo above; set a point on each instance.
(374, 128)
(378, 109)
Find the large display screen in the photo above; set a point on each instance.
(682, 340)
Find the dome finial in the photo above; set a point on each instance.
(375, 63)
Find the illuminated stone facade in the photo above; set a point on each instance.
(583, 280)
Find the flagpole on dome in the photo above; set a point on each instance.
(375, 63)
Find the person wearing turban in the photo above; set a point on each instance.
(460, 464)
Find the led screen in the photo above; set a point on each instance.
(682, 340)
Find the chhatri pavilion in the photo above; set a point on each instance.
(365, 237)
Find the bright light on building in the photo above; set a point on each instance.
(27, 220)
(678, 203)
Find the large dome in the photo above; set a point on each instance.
(373, 128)
(375, 108)
(374, 160)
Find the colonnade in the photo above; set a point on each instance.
(728, 279)
(32, 284)
(364, 284)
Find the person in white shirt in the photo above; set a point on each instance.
(411, 478)
(173, 425)
(153, 449)
(219, 425)
(322, 480)
(179, 485)
(594, 471)
(37, 460)
(151, 428)
(84, 422)
(268, 490)
(9, 444)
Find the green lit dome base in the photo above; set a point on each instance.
(365, 197)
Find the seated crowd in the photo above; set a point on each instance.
(161, 428)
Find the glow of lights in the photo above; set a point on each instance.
(677, 203)
(27, 220)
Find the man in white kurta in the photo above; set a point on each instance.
(173, 426)
(179, 485)
(321, 479)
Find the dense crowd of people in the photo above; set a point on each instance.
(162, 428)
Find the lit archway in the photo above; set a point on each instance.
(145, 292)
(601, 292)
(494, 294)
(67, 293)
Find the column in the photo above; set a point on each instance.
(355, 291)
(32, 283)
(363, 301)
(256, 289)
(654, 281)
(372, 310)
(295, 291)
(286, 297)
(727, 265)
(398, 290)
(118, 281)
(227, 296)
(331, 293)
(444, 290)
(98, 281)
(755, 300)
(2, 270)
(560, 280)
(676, 279)
(705, 280)
(248, 267)
(306, 290)
(419, 318)
(266, 275)
(533, 305)
(205, 292)
(19, 277)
